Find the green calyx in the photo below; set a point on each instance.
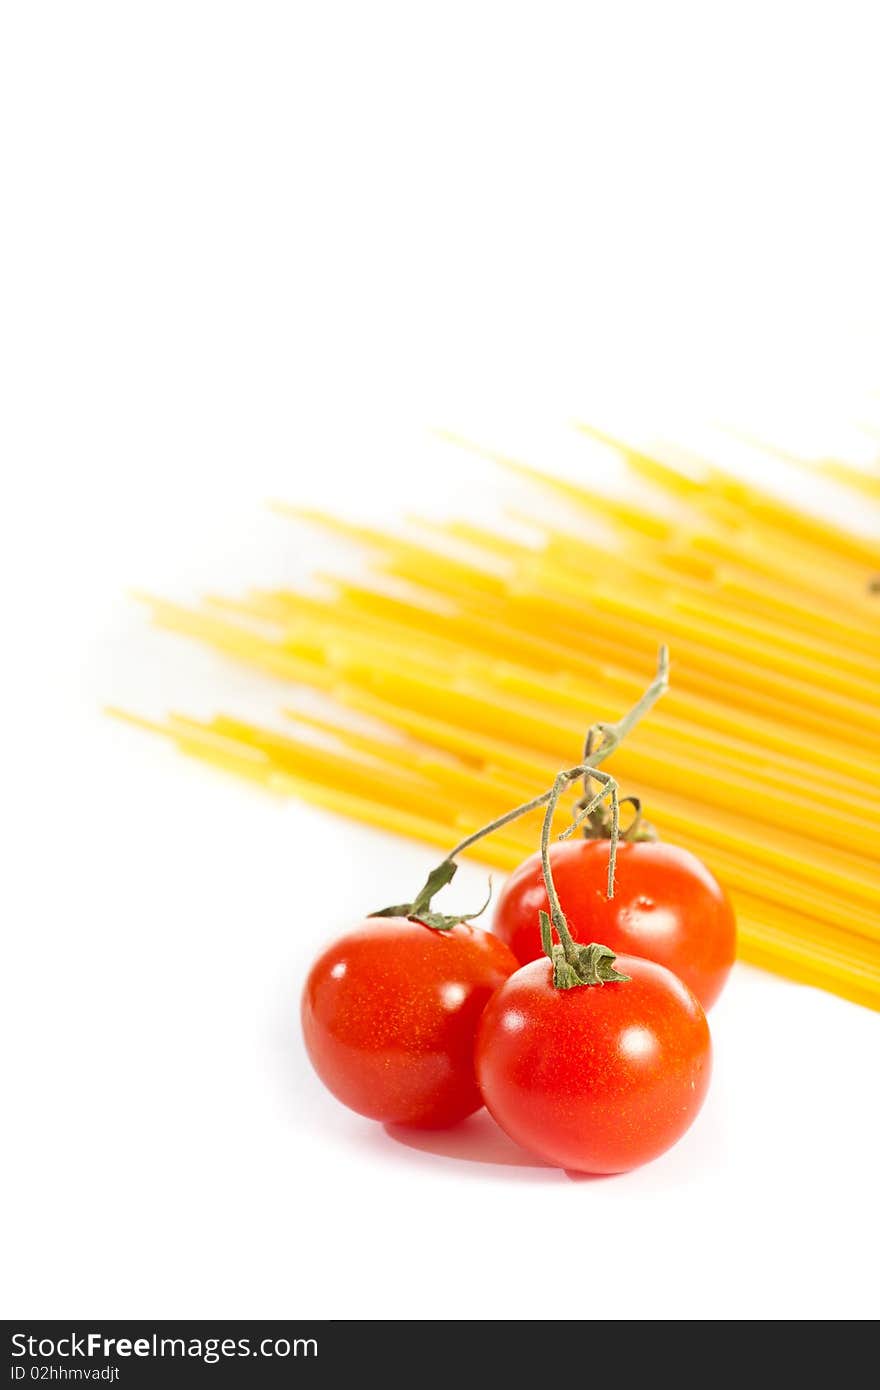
(419, 910)
(599, 820)
(575, 965)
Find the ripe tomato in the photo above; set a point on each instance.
(597, 1078)
(667, 907)
(390, 1014)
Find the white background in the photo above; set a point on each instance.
(255, 250)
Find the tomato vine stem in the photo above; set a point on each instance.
(573, 965)
(611, 736)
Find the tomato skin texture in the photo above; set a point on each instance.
(598, 1078)
(667, 907)
(390, 1014)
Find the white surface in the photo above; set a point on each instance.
(250, 251)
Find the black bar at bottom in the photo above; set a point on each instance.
(97, 1352)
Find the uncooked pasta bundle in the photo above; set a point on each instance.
(460, 675)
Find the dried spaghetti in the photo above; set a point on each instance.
(764, 757)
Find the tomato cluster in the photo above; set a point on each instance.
(411, 1023)
(595, 1057)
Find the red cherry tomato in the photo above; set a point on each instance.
(666, 907)
(598, 1078)
(390, 1014)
